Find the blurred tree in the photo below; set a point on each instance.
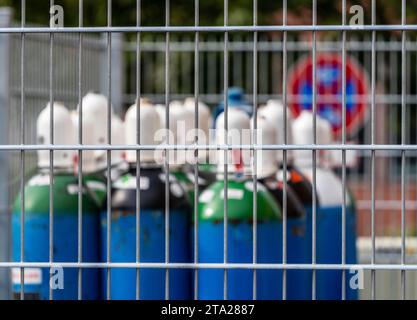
(211, 11)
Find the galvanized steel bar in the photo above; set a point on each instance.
(220, 266)
(109, 114)
(255, 158)
(167, 180)
(314, 103)
(284, 197)
(80, 153)
(51, 154)
(218, 29)
(403, 141)
(114, 147)
(138, 135)
(22, 152)
(196, 140)
(373, 71)
(226, 126)
(343, 249)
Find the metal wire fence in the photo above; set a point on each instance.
(166, 63)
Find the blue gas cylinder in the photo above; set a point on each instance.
(298, 243)
(152, 236)
(329, 236)
(329, 215)
(303, 189)
(65, 237)
(239, 241)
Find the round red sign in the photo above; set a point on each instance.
(329, 90)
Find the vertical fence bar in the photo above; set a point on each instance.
(6, 42)
(314, 84)
(226, 125)
(403, 141)
(196, 118)
(393, 89)
(167, 180)
(51, 154)
(284, 197)
(344, 151)
(138, 95)
(80, 153)
(109, 113)
(254, 141)
(22, 152)
(373, 70)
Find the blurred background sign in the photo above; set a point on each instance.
(329, 90)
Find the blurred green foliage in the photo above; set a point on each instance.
(211, 11)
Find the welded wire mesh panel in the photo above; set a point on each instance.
(36, 64)
(109, 207)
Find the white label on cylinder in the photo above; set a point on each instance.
(206, 196)
(40, 180)
(144, 183)
(96, 186)
(129, 182)
(235, 194)
(32, 275)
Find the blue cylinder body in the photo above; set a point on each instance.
(65, 250)
(239, 242)
(329, 251)
(65, 240)
(239, 282)
(152, 238)
(329, 236)
(298, 245)
(299, 285)
(298, 252)
(152, 248)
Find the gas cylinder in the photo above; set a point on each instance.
(329, 216)
(151, 212)
(206, 174)
(239, 229)
(206, 169)
(235, 99)
(181, 121)
(273, 112)
(298, 245)
(94, 118)
(118, 162)
(92, 176)
(65, 219)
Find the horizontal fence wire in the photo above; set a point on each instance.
(171, 29)
(179, 147)
(398, 147)
(175, 265)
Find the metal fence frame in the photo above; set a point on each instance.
(371, 146)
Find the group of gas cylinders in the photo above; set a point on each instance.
(138, 219)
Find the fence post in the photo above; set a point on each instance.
(117, 71)
(5, 234)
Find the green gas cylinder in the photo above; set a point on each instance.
(239, 240)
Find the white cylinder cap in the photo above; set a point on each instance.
(204, 121)
(88, 137)
(64, 134)
(181, 122)
(266, 161)
(149, 125)
(238, 134)
(95, 107)
(273, 111)
(117, 138)
(303, 134)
